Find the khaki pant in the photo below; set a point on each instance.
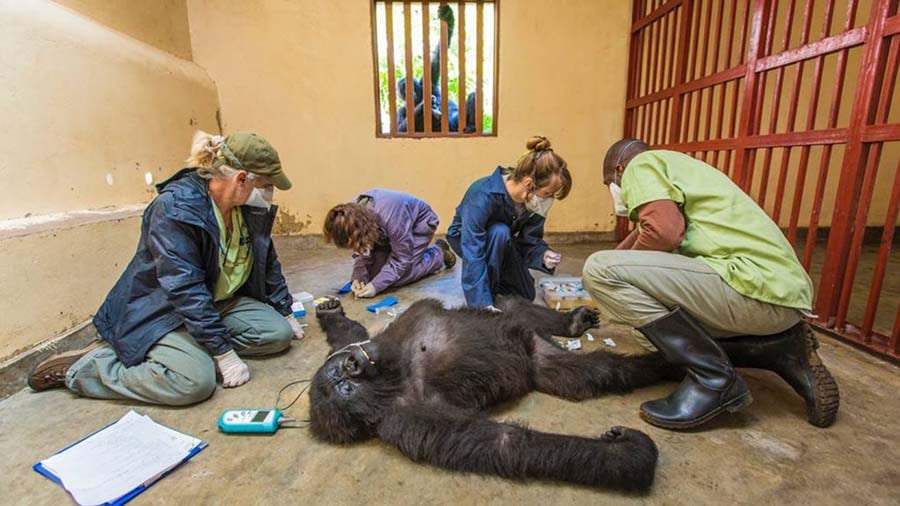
(177, 371)
(638, 287)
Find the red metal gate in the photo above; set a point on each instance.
(725, 80)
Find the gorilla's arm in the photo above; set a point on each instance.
(339, 330)
(445, 13)
(548, 322)
(621, 458)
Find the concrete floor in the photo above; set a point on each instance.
(766, 454)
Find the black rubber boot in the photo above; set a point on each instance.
(710, 386)
(792, 355)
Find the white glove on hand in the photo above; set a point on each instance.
(233, 370)
(551, 259)
(356, 285)
(296, 328)
(365, 292)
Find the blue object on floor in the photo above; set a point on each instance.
(388, 301)
(345, 289)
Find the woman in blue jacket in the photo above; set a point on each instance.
(204, 286)
(498, 230)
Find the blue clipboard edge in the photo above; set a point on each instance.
(40, 469)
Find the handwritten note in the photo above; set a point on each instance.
(132, 452)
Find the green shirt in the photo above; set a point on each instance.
(723, 226)
(235, 255)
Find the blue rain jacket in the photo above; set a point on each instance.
(170, 280)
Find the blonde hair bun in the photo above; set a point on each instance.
(204, 149)
(538, 143)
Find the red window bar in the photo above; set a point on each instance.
(391, 118)
(740, 82)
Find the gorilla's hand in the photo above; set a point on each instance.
(582, 319)
(330, 306)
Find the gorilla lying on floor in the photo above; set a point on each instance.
(423, 384)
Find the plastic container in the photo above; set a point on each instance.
(300, 299)
(564, 293)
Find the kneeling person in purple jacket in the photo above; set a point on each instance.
(389, 233)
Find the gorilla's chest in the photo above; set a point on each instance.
(452, 362)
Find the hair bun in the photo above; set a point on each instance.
(538, 143)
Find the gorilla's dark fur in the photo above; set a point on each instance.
(423, 384)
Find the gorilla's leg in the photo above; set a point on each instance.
(339, 330)
(577, 376)
(622, 458)
(546, 321)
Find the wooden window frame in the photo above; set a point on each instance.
(444, 132)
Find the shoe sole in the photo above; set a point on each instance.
(444, 246)
(823, 408)
(60, 356)
(732, 406)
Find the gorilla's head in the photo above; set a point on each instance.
(417, 90)
(348, 394)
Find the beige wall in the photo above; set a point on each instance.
(300, 73)
(160, 23)
(50, 282)
(85, 113)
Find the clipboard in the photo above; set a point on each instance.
(40, 469)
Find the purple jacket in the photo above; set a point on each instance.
(408, 225)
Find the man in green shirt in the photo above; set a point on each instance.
(709, 280)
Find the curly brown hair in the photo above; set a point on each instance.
(351, 226)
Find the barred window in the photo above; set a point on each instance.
(450, 50)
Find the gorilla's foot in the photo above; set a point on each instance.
(330, 306)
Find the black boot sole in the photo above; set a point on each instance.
(794, 359)
(732, 406)
(822, 408)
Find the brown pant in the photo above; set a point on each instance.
(638, 287)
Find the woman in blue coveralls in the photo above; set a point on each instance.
(498, 230)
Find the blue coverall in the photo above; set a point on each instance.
(497, 243)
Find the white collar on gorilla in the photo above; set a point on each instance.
(346, 349)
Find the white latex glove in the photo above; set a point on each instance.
(365, 292)
(551, 259)
(356, 285)
(233, 370)
(296, 328)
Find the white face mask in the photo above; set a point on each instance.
(539, 205)
(260, 197)
(619, 206)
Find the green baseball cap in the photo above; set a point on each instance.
(250, 152)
